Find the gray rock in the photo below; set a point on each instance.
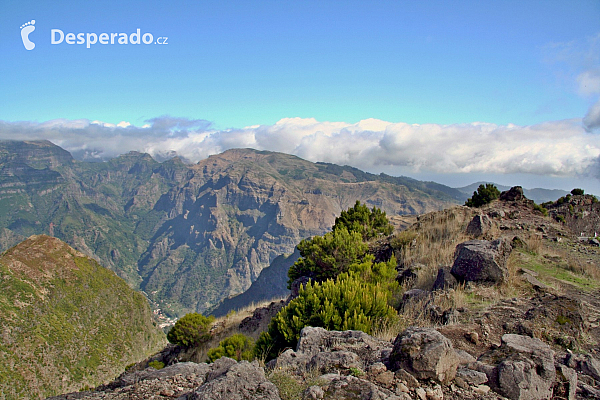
(369, 349)
(528, 372)
(464, 357)
(407, 378)
(588, 392)
(350, 387)
(290, 360)
(479, 225)
(326, 361)
(184, 368)
(235, 381)
(586, 364)
(568, 382)
(426, 353)
(594, 242)
(314, 392)
(481, 261)
(533, 281)
(471, 377)
(444, 280)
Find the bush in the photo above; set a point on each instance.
(350, 302)
(541, 209)
(238, 347)
(325, 257)
(190, 330)
(156, 364)
(369, 223)
(577, 192)
(484, 195)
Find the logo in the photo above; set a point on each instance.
(26, 29)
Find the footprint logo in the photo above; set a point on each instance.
(26, 29)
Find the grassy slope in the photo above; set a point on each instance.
(67, 322)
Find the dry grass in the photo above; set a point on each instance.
(431, 242)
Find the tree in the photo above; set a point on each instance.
(237, 346)
(191, 330)
(369, 223)
(483, 195)
(325, 257)
(577, 192)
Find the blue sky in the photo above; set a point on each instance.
(237, 64)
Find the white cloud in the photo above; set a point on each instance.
(557, 148)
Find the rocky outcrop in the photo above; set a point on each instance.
(426, 353)
(513, 194)
(482, 261)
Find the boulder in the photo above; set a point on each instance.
(235, 381)
(527, 372)
(515, 193)
(479, 225)
(444, 279)
(481, 261)
(426, 353)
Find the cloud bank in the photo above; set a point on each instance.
(559, 148)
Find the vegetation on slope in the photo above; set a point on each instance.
(67, 323)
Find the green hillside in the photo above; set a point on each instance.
(67, 322)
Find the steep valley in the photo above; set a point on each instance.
(189, 236)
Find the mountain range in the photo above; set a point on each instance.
(189, 236)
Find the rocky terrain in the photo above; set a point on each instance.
(66, 323)
(189, 236)
(501, 301)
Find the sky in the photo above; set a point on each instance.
(455, 92)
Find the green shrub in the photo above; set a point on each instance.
(369, 223)
(325, 257)
(541, 209)
(350, 302)
(483, 195)
(560, 218)
(238, 347)
(156, 364)
(577, 192)
(190, 330)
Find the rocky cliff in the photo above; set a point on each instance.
(66, 322)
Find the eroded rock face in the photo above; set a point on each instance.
(481, 261)
(426, 353)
